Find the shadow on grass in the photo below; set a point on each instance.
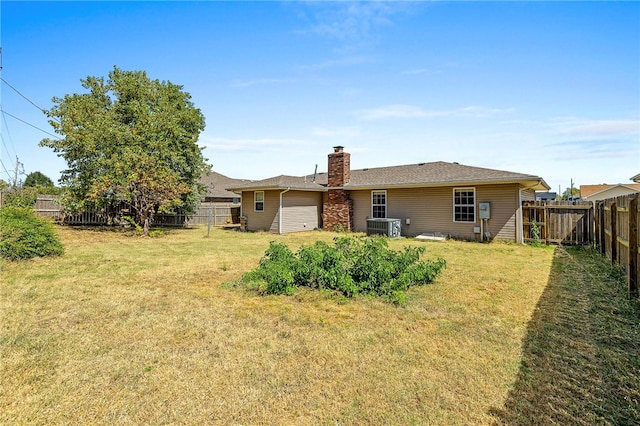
(581, 356)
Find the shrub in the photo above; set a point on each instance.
(275, 274)
(21, 197)
(24, 236)
(535, 234)
(352, 266)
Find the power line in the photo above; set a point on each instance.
(42, 110)
(29, 124)
(5, 170)
(6, 126)
(23, 96)
(4, 145)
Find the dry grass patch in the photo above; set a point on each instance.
(581, 356)
(130, 330)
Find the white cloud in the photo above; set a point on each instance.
(349, 60)
(229, 144)
(350, 20)
(598, 128)
(259, 81)
(335, 132)
(421, 71)
(411, 111)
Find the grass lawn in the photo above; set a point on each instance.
(127, 330)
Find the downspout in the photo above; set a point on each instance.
(280, 211)
(520, 226)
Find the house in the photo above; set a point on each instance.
(226, 204)
(604, 191)
(546, 196)
(216, 185)
(437, 197)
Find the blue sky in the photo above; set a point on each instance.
(546, 88)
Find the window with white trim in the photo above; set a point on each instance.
(378, 204)
(258, 201)
(464, 204)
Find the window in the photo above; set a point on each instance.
(258, 201)
(378, 204)
(464, 205)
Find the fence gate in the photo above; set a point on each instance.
(559, 222)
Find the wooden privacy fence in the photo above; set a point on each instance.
(617, 235)
(559, 222)
(611, 225)
(216, 214)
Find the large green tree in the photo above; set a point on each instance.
(130, 139)
(38, 179)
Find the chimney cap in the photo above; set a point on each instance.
(338, 148)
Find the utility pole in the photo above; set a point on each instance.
(15, 172)
(571, 193)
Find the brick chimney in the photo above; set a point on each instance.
(339, 171)
(338, 209)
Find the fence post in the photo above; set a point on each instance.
(209, 220)
(614, 233)
(603, 236)
(546, 219)
(633, 247)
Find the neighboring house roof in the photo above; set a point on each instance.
(636, 178)
(587, 190)
(432, 174)
(594, 191)
(546, 196)
(216, 185)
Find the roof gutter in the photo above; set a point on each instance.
(280, 211)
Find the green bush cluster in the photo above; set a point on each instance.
(351, 266)
(24, 236)
(21, 197)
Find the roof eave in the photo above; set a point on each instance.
(277, 188)
(534, 183)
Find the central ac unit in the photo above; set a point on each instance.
(384, 226)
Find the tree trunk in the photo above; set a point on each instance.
(145, 230)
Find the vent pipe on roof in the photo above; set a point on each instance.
(314, 174)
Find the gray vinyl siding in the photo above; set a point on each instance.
(301, 211)
(431, 210)
(528, 195)
(504, 201)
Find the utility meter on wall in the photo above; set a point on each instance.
(485, 210)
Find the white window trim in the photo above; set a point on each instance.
(454, 204)
(255, 201)
(385, 202)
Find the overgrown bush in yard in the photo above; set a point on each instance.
(21, 197)
(352, 266)
(24, 236)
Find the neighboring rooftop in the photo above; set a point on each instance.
(217, 185)
(589, 190)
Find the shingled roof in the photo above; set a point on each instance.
(217, 185)
(432, 174)
(589, 190)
